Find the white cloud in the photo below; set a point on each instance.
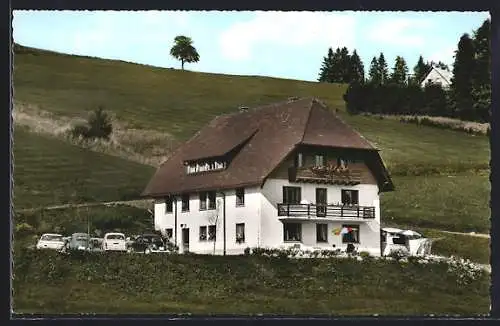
(445, 54)
(400, 31)
(295, 29)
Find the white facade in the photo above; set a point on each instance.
(438, 76)
(262, 225)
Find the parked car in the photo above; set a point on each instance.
(96, 244)
(79, 241)
(148, 243)
(114, 242)
(407, 242)
(50, 241)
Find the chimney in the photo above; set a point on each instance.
(243, 108)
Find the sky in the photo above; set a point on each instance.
(277, 44)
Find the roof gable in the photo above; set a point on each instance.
(324, 128)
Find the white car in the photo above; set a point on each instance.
(114, 242)
(51, 241)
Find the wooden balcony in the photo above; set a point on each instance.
(324, 175)
(332, 212)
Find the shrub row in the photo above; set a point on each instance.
(198, 276)
(424, 121)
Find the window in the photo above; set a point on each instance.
(169, 233)
(211, 199)
(342, 162)
(240, 197)
(240, 232)
(291, 195)
(185, 203)
(319, 160)
(203, 233)
(321, 232)
(351, 235)
(203, 201)
(169, 203)
(350, 197)
(292, 231)
(299, 160)
(211, 232)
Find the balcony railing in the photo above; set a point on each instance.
(326, 211)
(324, 175)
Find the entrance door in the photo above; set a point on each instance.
(321, 202)
(185, 240)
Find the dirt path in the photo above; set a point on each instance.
(472, 234)
(137, 203)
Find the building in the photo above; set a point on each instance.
(273, 176)
(438, 75)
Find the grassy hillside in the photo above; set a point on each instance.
(52, 283)
(49, 171)
(181, 102)
(174, 101)
(451, 202)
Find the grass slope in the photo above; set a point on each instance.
(174, 101)
(181, 102)
(48, 171)
(451, 202)
(52, 283)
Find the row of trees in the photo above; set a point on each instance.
(469, 96)
(341, 67)
(471, 84)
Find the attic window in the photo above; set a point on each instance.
(205, 166)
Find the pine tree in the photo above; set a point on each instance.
(325, 74)
(420, 70)
(374, 73)
(356, 69)
(482, 73)
(400, 71)
(344, 65)
(462, 81)
(383, 70)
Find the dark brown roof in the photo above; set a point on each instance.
(267, 135)
(327, 129)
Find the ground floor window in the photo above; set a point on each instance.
(321, 232)
(169, 233)
(292, 231)
(211, 232)
(240, 232)
(350, 233)
(203, 233)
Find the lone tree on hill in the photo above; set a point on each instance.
(184, 50)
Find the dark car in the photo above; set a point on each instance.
(148, 243)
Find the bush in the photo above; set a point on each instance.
(98, 126)
(80, 131)
(24, 229)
